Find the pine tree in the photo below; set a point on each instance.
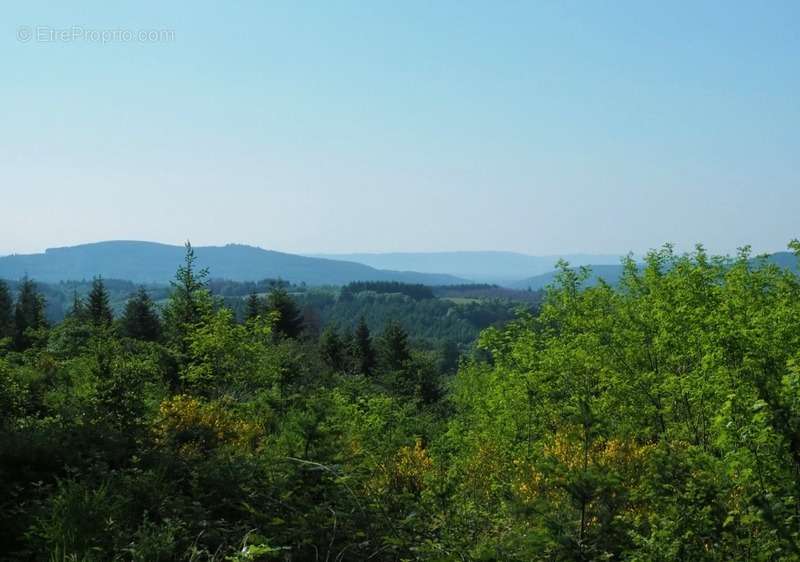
(140, 319)
(6, 312)
(78, 309)
(253, 307)
(312, 323)
(348, 348)
(449, 356)
(190, 301)
(28, 314)
(331, 349)
(290, 321)
(363, 350)
(419, 378)
(395, 351)
(98, 309)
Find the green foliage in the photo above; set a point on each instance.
(416, 291)
(220, 351)
(78, 309)
(98, 310)
(289, 320)
(363, 350)
(332, 351)
(655, 420)
(189, 304)
(394, 348)
(6, 312)
(429, 321)
(78, 522)
(253, 307)
(28, 315)
(649, 422)
(140, 319)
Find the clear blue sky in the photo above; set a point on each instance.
(542, 127)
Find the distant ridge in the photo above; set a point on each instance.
(494, 267)
(152, 262)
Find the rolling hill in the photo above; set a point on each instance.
(150, 262)
(492, 267)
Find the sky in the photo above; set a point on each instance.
(541, 127)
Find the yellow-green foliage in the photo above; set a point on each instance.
(405, 471)
(191, 426)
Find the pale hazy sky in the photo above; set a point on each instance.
(535, 126)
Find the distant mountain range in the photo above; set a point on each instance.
(150, 262)
(491, 267)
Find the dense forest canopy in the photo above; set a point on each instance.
(416, 291)
(456, 315)
(654, 419)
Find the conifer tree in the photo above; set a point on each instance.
(421, 378)
(140, 319)
(290, 321)
(363, 350)
(28, 314)
(78, 309)
(76, 332)
(312, 323)
(348, 351)
(190, 301)
(449, 356)
(253, 306)
(331, 349)
(395, 351)
(98, 309)
(6, 312)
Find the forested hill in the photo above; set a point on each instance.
(494, 267)
(611, 273)
(149, 262)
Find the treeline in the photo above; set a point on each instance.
(59, 297)
(432, 322)
(228, 288)
(414, 291)
(655, 420)
(21, 321)
(487, 291)
(456, 315)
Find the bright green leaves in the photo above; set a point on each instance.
(688, 367)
